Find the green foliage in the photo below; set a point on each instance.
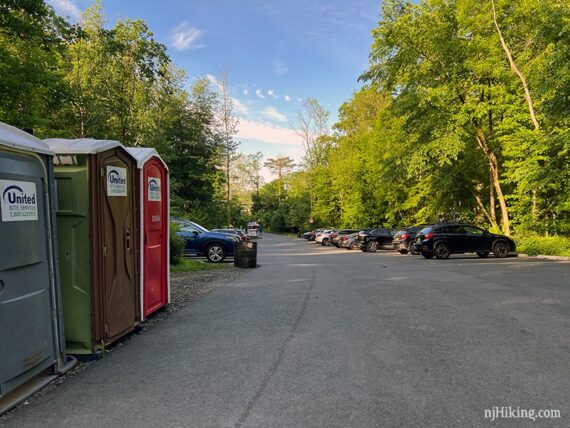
(533, 245)
(176, 245)
(442, 128)
(187, 265)
(92, 80)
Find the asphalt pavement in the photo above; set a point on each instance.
(325, 337)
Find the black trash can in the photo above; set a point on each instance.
(245, 255)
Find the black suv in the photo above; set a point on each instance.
(404, 240)
(370, 240)
(442, 240)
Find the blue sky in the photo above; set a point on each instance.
(277, 53)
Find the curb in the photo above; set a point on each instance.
(554, 258)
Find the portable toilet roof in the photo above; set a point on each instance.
(18, 139)
(80, 146)
(143, 154)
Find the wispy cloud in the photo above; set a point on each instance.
(246, 92)
(340, 29)
(287, 98)
(184, 37)
(258, 94)
(266, 133)
(280, 68)
(214, 82)
(240, 107)
(271, 93)
(272, 113)
(66, 8)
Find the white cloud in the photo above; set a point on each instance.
(266, 133)
(66, 8)
(258, 94)
(287, 98)
(280, 68)
(214, 82)
(184, 37)
(246, 92)
(271, 93)
(240, 107)
(272, 113)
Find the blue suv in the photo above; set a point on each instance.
(200, 241)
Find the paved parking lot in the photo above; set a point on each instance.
(319, 336)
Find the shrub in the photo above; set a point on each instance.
(533, 245)
(176, 245)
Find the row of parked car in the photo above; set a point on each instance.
(215, 244)
(437, 240)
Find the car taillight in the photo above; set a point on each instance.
(428, 235)
(405, 236)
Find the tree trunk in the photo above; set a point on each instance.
(228, 184)
(482, 208)
(492, 208)
(516, 70)
(494, 174)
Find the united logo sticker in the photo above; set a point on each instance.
(116, 181)
(19, 201)
(154, 193)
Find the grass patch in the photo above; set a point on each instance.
(187, 265)
(535, 245)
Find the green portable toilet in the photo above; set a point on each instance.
(31, 334)
(97, 241)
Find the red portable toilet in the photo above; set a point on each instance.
(153, 202)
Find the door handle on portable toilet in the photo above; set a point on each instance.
(128, 239)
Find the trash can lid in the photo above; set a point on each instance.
(80, 146)
(143, 154)
(18, 139)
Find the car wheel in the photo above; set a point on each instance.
(483, 254)
(403, 251)
(372, 246)
(411, 248)
(215, 253)
(442, 251)
(427, 255)
(501, 250)
(353, 246)
(326, 242)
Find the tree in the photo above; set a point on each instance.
(280, 165)
(31, 83)
(228, 126)
(311, 125)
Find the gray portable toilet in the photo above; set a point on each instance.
(31, 330)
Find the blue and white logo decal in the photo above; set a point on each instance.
(19, 200)
(154, 193)
(116, 181)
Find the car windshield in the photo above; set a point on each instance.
(199, 228)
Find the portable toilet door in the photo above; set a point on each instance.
(96, 223)
(154, 207)
(30, 322)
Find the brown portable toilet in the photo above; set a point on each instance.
(97, 241)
